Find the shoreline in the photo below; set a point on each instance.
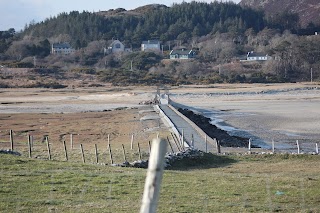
(263, 112)
(225, 139)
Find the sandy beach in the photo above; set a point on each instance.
(264, 112)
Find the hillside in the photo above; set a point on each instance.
(308, 10)
(181, 21)
(140, 11)
(219, 33)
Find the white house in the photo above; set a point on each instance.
(182, 54)
(255, 56)
(150, 45)
(117, 47)
(61, 49)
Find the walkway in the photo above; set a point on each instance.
(190, 130)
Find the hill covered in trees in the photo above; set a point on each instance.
(181, 21)
(220, 33)
(308, 11)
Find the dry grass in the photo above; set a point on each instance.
(88, 129)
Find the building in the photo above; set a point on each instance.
(151, 45)
(117, 47)
(255, 56)
(182, 54)
(61, 49)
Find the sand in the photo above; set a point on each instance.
(282, 112)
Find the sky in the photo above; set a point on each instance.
(17, 13)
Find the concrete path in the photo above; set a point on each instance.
(190, 130)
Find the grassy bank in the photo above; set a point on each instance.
(257, 183)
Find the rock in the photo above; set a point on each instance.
(214, 132)
(10, 152)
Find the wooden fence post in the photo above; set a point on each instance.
(154, 177)
(82, 153)
(108, 141)
(48, 147)
(140, 157)
(65, 150)
(71, 141)
(317, 148)
(206, 141)
(110, 152)
(298, 146)
(96, 153)
(29, 146)
(182, 138)
(132, 138)
(149, 147)
(31, 140)
(218, 146)
(124, 154)
(273, 148)
(11, 139)
(192, 141)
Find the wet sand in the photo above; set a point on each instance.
(264, 112)
(283, 113)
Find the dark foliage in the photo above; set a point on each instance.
(179, 21)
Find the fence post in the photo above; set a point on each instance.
(71, 141)
(96, 153)
(29, 146)
(298, 146)
(108, 141)
(140, 157)
(206, 141)
(82, 153)
(218, 146)
(31, 141)
(273, 148)
(11, 139)
(65, 150)
(149, 147)
(124, 154)
(249, 146)
(192, 141)
(48, 147)
(154, 177)
(132, 138)
(182, 138)
(110, 152)
(317, 148)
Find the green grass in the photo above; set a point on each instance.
(255, 183)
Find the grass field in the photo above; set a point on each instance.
(250, 183)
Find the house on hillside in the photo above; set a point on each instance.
(182, 54)
(61, 49)
(117, 47)
(255, 56)
(150, 45)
